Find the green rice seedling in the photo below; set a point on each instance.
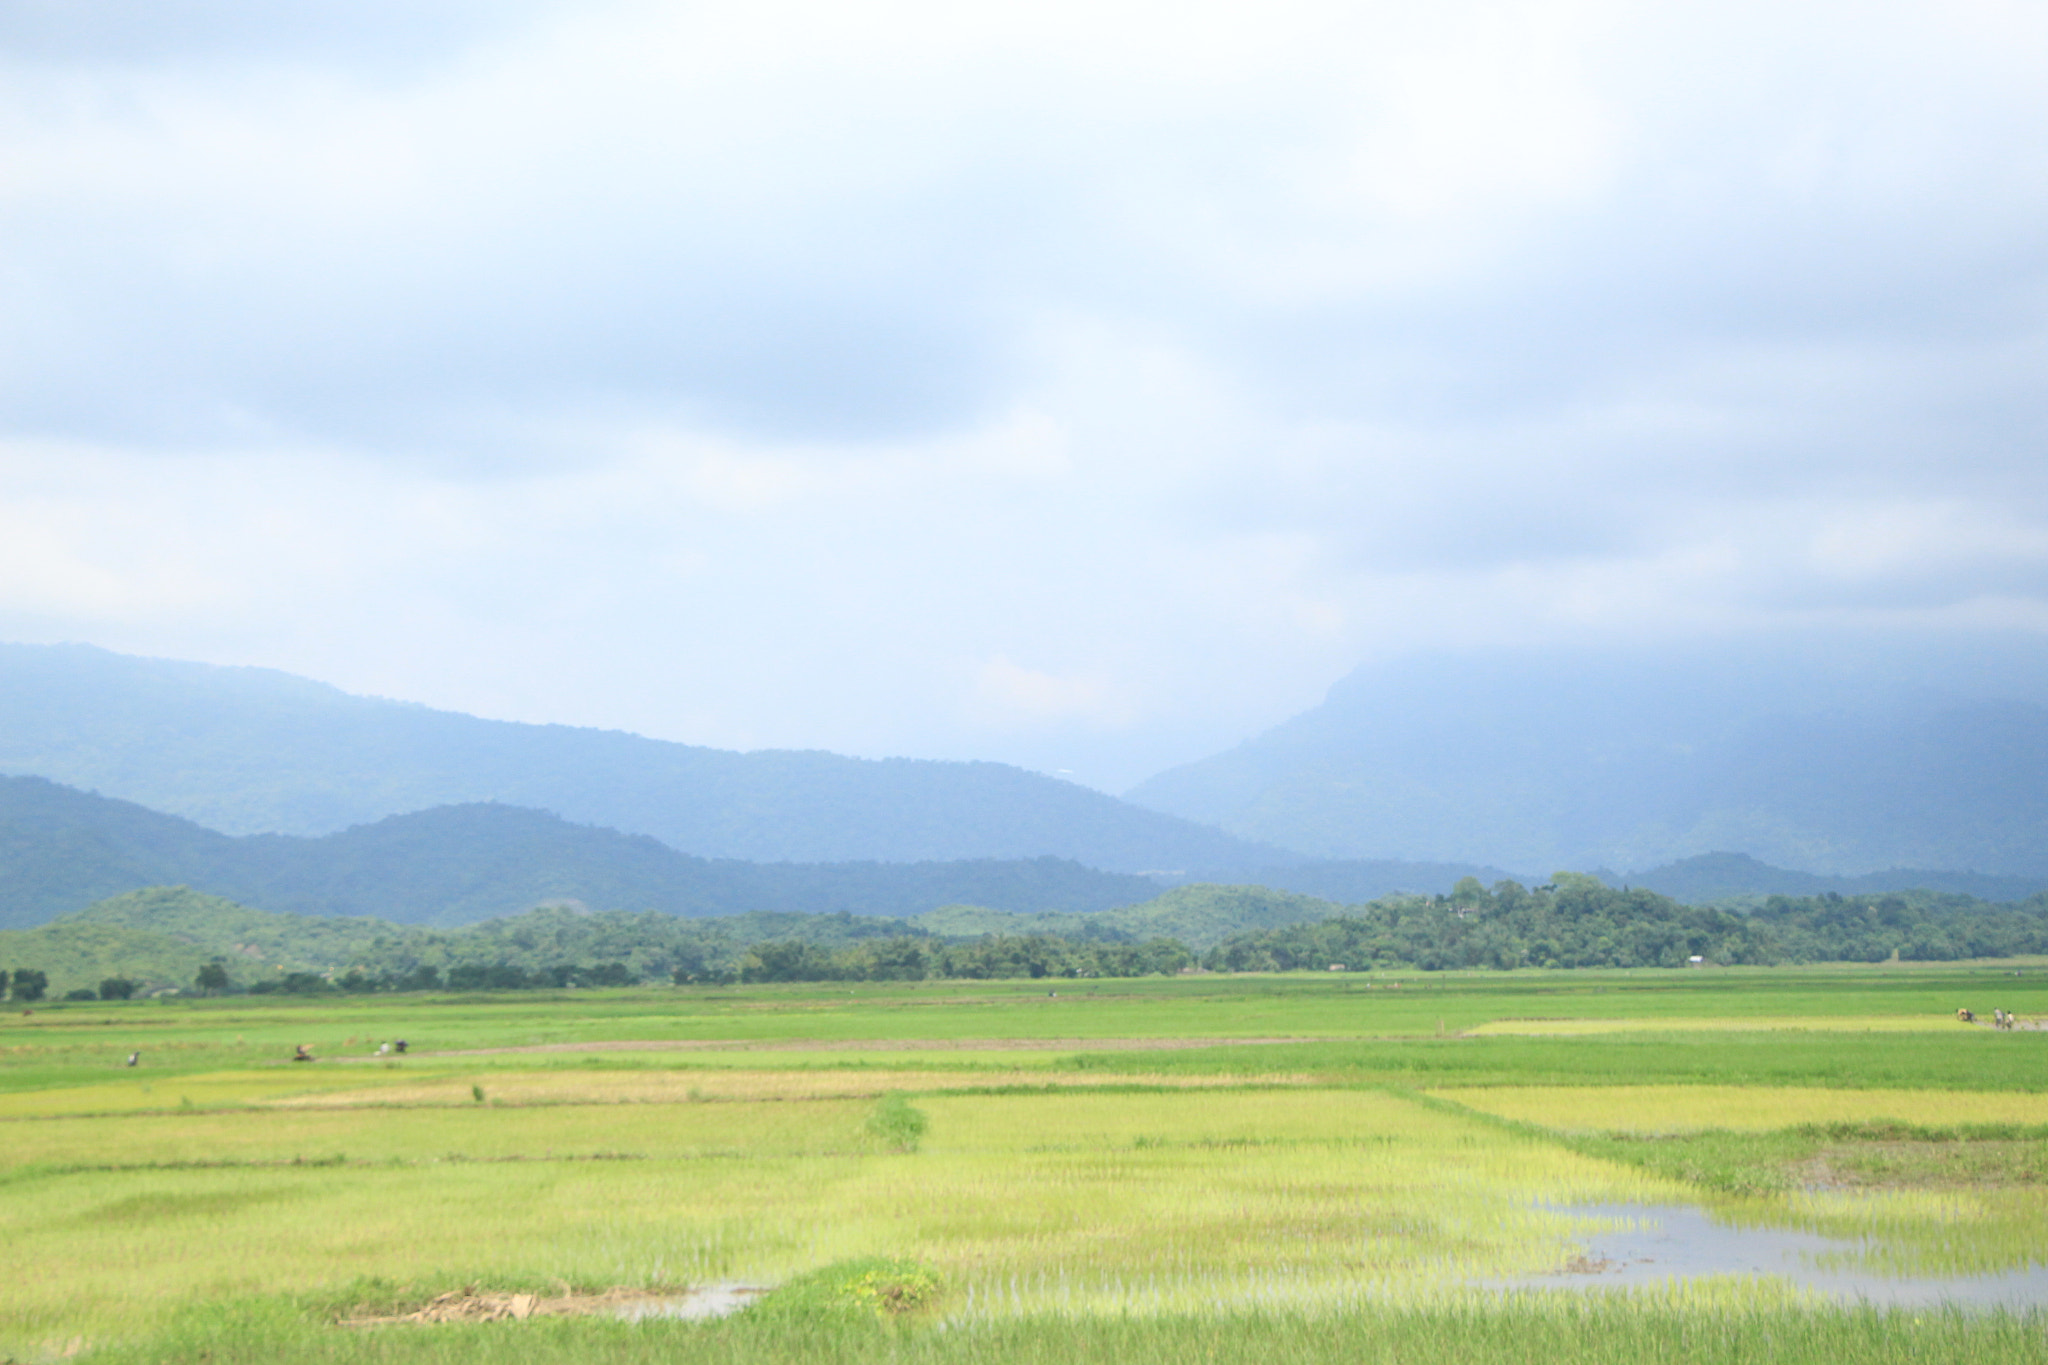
(1617, 1330)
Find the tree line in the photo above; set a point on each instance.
(1574, 921)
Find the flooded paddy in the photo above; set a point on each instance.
(1634, 1245)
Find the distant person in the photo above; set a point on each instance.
(301, 1055)
(400, 1045)
(1966, 1017)
(383, 1048)
(134, 1057)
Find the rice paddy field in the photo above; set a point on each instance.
(1363, 1167)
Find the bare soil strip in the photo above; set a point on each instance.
(472, 1304)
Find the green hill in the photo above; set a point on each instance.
(162, 936)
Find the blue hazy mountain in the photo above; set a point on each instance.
(245, 750)
(62, 849)
(1825, 757)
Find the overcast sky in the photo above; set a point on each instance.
(1081, 385)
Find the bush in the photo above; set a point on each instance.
(897, 1123)
(867, 1290)
(117, 988)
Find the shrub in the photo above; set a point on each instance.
(897, 1123)
(867, 1290)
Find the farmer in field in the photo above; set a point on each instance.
(301, 1055)
(134, 1057)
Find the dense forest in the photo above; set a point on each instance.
(165, 938)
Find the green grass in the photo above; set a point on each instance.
(1838, 1156)
(1596, 1331)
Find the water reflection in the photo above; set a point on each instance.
(705, 1301)
(1658, 1243)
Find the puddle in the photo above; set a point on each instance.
(1662, 1242)
(705, 1301)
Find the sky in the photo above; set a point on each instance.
(1086, 386)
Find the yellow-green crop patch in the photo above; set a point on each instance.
(206, 1090)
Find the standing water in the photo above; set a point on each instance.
(1662, 1243)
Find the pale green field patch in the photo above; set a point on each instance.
(1688, 1108)
(1577, 1028)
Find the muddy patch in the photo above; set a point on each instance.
(472, 1304)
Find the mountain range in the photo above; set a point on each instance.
(62, 849)
(1824, 759)
(287, 794)
(248, 750)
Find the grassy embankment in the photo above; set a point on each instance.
(1088, 1186)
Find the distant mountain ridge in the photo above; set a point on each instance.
(1735, 876)
(246, 750)
(1540, 759)
(61, 850)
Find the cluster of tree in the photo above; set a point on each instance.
(24, 984)
(110, 988)
(1917, 927)
(1579, 922)
(470, 976)
(993, 957)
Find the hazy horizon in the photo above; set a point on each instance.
(1086, 388)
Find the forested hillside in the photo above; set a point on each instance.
(246, 751)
